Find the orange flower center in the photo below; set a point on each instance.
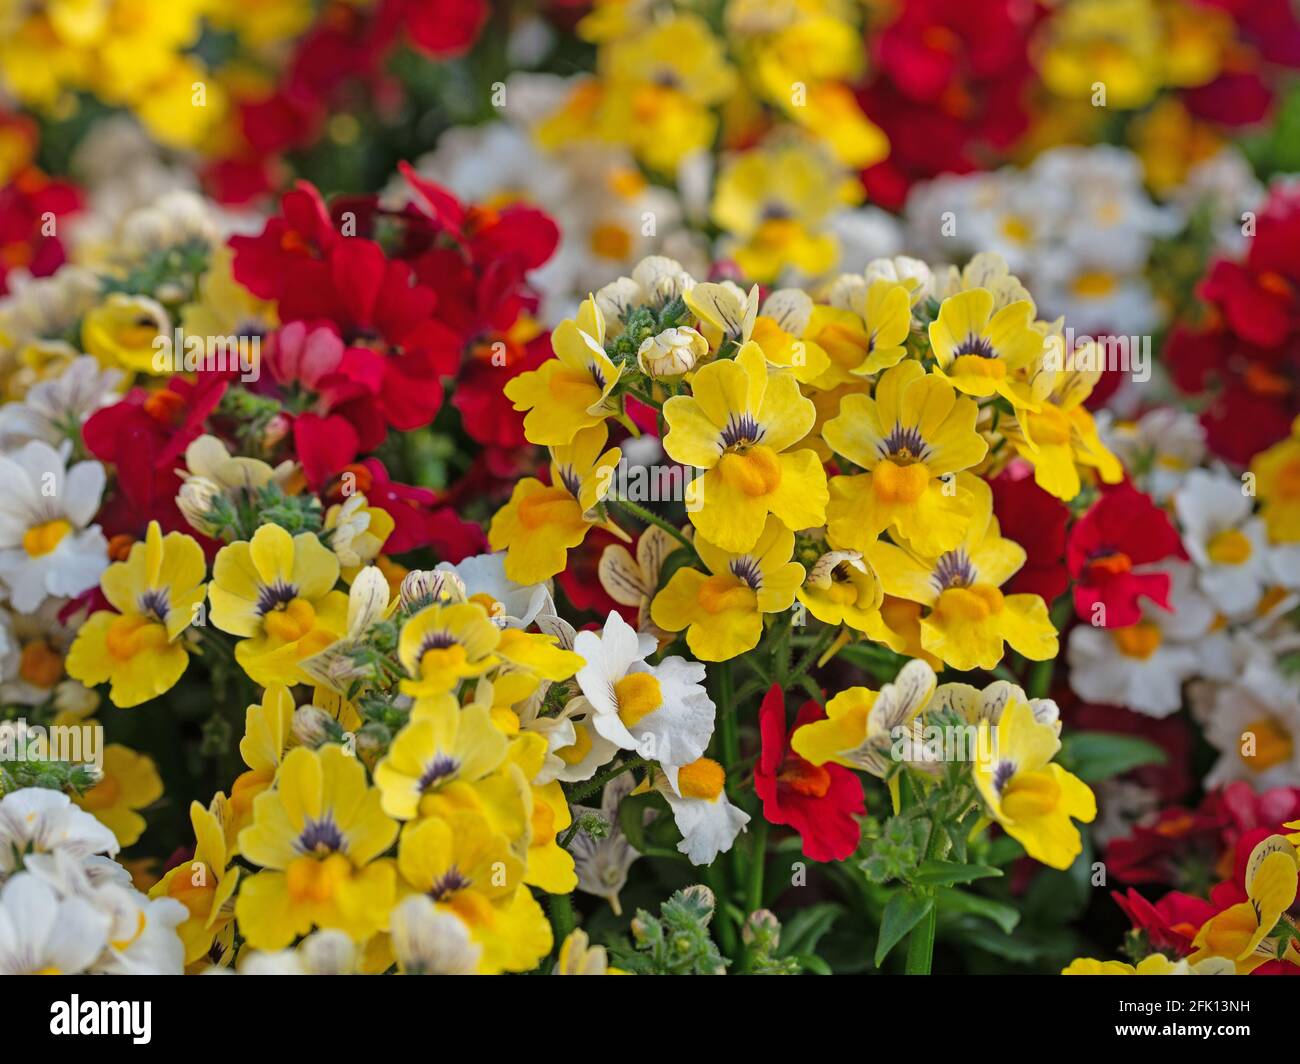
(755, 471)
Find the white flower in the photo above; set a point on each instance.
(483, 580)
(32, 648)
(1229, 546)
(1159, 449)
(709, 823)
(43, 934)
(142, 937)
(602, 863)
(1143, 667)
(574, 749)
(1258, 739)
(661, 711)
(325, 952)
(428, 941)
(46, 547)
(352, 541)
(38, 820)
(671, 352)
(54, 409)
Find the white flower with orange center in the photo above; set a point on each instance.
(1235, 562)
(47, 544)
(709, 823)
(1145, 665)
(661, 711)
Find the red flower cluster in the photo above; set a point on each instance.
(948, 87)
(1122, 531)
(1036, 520)
(32, 206)
(1245, 359)
(821, 802)
(1267, 34)
(1188, 848)
(347, 46)
(379, 309)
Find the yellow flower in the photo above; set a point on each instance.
(442, 645)
(843, 589)
(911, 439)
(140, 650)
(722, 612)
(548, 865)
(121, 332)
(660, 85)
(738, 426)
(727, 312)
(1277, 483)
(980, 351)
(860, 728)
(969, 617)
(277, 593)
(773, 202)
(1115, 43)
(130, 782)
(780, 331)
(317, 836)
(1031, 798)
(1061, 435)
(875, 342)
(268, 730)
(469, 870)
(442, 746)
(1240, 932)
(570, 392)
(541, 522)
(206, 883)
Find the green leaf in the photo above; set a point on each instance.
(804, 929)
(1096, 756)
(945, 873)
(1004, 916)
(904, 911)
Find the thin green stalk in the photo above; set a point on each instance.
(562, 919)
(651, 518)
(598, 781)
(823, 641)
(920, 944)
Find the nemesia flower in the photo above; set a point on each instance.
(130, 782)
(43, 934)
(316, 838)
(140, 648)
(739, 427)
(541, 523)
(1110, 553)
(969, 616)
(1277, 472)
(1033, 799)
(980, 351)
(722, 608)
(276, 592)
(911, 439)
(841, 588)
(818, 801)
(661, 711)
(47, 544)
(709, 823)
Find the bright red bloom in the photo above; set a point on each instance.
(821, 802)
(1170, 923)
(1245, 360)
(948, 86)
(1036, 520)
(303, 232)
(143, 437)
(419, 516)
(1123, 530)
(443, 28)
(27, 239)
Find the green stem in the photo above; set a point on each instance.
(757, 864)
(815, 651)
(597, 782)
(920, 944)
(650, 518)
(562, 919)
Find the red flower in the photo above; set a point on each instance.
(419, 518)
(1170, 923)
(1036, 520)
(1124, 529)
(443, 28)
(301, 234)
(819, 802)
(948, 86)
(27, 240)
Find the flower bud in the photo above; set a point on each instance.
(671, 353)
(424, 587)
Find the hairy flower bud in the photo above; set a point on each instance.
(671, 353)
